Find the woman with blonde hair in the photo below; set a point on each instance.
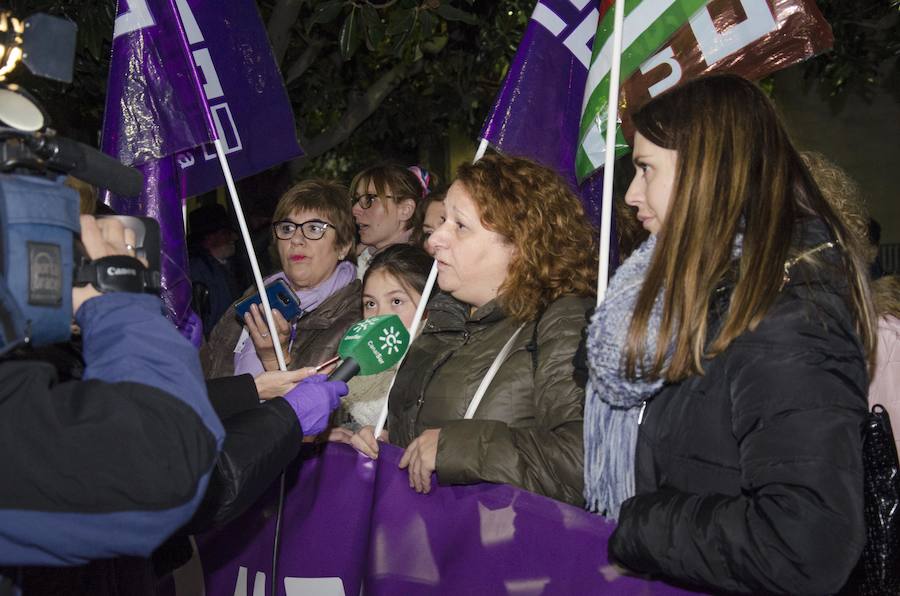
(517, 269)
(729, 359)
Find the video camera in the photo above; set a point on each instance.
(41, 256)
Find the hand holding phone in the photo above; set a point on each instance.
(258, 329)
(281, 298)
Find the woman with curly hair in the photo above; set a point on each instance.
(517, 269)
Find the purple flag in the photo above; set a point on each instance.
(156, 117)
(537, 113)
(352, 523)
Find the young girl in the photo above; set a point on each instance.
(393, 284)
(728, 360)
(385, 198)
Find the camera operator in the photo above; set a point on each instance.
(113, 464)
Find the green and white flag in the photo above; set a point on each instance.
(648, 25)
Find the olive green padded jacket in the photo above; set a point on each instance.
(528, 429)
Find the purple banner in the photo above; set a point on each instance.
(350, 523)
(537, 113)
(245, 91)
(155, 116)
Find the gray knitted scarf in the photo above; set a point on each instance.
(613, 402)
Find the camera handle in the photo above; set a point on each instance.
(118, 273)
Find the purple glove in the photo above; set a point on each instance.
(313, 400)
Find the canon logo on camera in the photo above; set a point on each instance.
(113, 271)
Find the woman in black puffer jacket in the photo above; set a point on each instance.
(729, 361)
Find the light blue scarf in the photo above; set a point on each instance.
(613, 402)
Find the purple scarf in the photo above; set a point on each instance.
(245, 358)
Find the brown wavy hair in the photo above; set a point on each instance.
(402, 183)
(845, 197)
(329, 198)
(886, 295)
(736, 170)
(535, 210)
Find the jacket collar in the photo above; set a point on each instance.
(446, 313)
(333, 307)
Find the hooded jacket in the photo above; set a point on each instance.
(749, 478)
(528, 428)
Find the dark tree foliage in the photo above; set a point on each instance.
(864, 59)
(389, 78)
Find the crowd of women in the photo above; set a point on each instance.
(727, 368)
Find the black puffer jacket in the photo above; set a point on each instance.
(749, 478)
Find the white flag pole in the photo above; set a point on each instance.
(417, 319)
(610, 156)
(232, 190)
(254, 264)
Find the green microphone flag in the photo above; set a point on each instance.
(371, 346)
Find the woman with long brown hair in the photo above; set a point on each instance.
(729, 359)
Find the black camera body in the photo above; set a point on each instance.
(41, 260)
(41, 257)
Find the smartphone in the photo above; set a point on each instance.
(281, 298)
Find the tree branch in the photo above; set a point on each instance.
(281, 21)
(303, 62)
(356, 114)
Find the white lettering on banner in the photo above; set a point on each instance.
(577, 41)
(259, 583)
(222, 117)
(137, 17)
(636, 22)
(667, 56)
(226, 128)
(191, 28)
(212, 87)
(714, 45)
(185, 160)
(549, 19)
(314, 586)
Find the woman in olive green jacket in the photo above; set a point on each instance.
(515, 253)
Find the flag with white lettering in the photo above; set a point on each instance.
(538, 110)
(752, 38)
(155, 114)
(647, 25)
(552, 106)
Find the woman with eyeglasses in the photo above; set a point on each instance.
(385, 197)
(314, 234)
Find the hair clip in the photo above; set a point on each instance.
(422, 176)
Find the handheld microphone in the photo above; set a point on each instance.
(371, 346)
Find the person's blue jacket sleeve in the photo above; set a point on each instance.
(113, 464)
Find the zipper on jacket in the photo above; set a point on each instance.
(641, 414)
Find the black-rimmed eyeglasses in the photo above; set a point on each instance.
(313, 229)
(365, 200)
